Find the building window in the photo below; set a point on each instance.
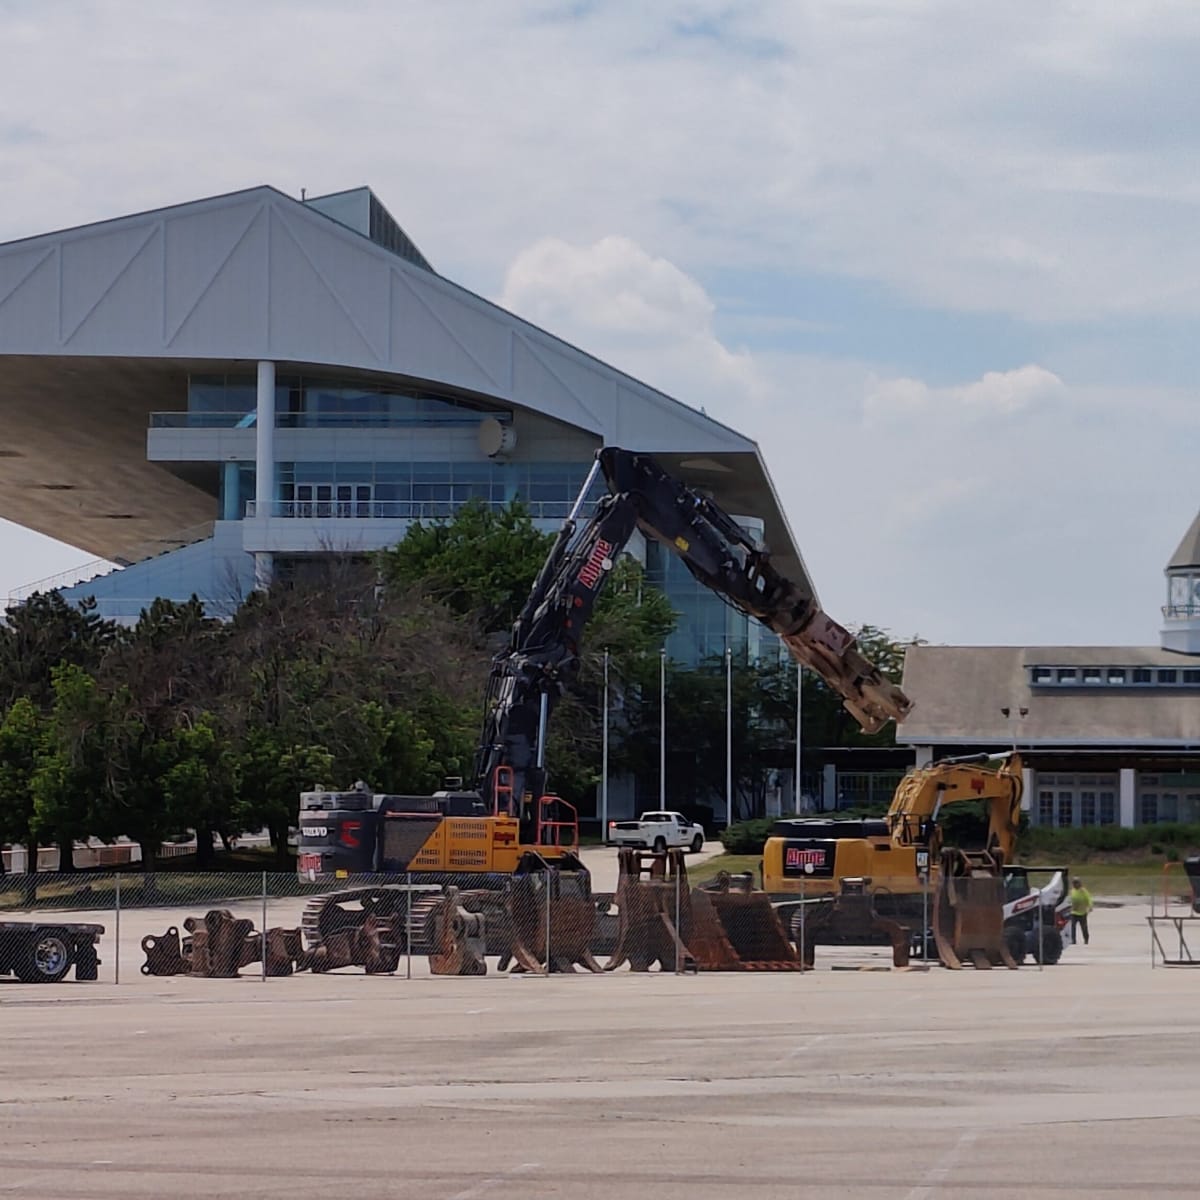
(1091, 675)
(1192, 677)
(1087, 808)
(1167, 676)
(1045, 808)
(1142, 675)
(1066, 808)
(1116, 675)
(1148, 805)
(1042, 675)
(1108, 808)
(1168, 806)
(1066, 675)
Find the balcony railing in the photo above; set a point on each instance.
(1181, 612)
(400, 510)
(319, 420)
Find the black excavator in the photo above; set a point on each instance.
(506, 826)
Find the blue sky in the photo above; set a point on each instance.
(938, 259)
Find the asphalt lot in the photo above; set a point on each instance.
(1083, 1079)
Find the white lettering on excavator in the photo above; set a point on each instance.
(804, 858)
(314, 830)
(590, 575)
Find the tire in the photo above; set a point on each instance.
(1051, 948)
(87, 963)
(660, 845)
(1014, 939)
(46, 958)
(697, 844)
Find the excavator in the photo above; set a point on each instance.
(850, 882)
(506, 831)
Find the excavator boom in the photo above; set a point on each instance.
(543, 654)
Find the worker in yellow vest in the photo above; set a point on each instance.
(1081, 905)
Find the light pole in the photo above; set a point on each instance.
(799, 738)
(604, 761)
(662, 729)
(728, 736)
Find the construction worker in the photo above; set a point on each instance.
(1081, 905)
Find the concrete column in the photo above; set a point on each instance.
(1029, 783)
(264, 464)
(1127, 797)
(922, 756)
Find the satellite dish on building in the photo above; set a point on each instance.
(496, 440)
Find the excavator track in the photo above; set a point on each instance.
(341, 912)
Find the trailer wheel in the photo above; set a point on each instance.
(660, 845)
(1050, 951)
(46, 957)
(1014, 936)
(697, 844)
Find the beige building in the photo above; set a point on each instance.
(1109, 734)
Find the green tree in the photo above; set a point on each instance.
(22, 738)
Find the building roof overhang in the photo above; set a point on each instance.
(959, 695)
(100, 325)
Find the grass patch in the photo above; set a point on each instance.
(733, 863)
(1143, 877)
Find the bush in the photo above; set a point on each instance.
(1077, 845)
(747, 837)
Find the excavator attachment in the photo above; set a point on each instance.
(552, 914)
(968, 913)
(727, 927)
(457, 937)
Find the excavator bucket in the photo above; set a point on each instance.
(645, 901)
(968, 915)
(734, 928)
(723, 928)
(552, 914)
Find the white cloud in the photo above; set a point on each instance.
(997, 393)
(651, 318)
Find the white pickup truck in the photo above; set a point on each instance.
(657, 831)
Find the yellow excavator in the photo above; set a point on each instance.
(862, 881)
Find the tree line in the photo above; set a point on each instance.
(356, 668)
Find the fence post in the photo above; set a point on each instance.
(549, 886)
(408, 927)
(1041, 949)
(678, 931)
(117, 914)
(263, 942)
(803, 941)
(925, 919)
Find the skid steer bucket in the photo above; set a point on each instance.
(457, 937)
(968, 916)
(552, 914)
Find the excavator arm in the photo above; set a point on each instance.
(543, 654)
(922, 795)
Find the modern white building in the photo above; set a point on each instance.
(212, 393)
(1109, 734)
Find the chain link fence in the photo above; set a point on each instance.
(127, 927)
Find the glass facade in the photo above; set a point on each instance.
(424, 489)
(1074, 800)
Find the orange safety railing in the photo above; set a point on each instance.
(552, 828)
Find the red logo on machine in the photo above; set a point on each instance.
(503, 837)
(805, 858)
(590, 575)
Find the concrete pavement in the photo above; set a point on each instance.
(1080, 1080)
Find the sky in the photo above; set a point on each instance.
(938, 259)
